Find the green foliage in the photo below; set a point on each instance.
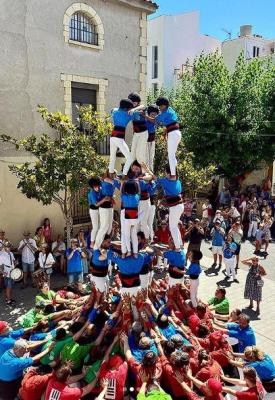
(63, 163)
(228, 118)
(193, 177)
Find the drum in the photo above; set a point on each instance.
(16, 274)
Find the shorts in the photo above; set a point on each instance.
(28, 267)
(237, 252)
(8, 282)
(217, 250)
(75, 277)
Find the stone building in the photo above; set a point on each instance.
(60, 54)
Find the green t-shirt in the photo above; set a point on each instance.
(154, 395)
(75, 352)
(41, 297)
(30, 318)
(54, 353)
(221, 305)
(95, 367)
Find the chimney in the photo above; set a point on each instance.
(245, 30)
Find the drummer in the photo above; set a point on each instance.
(7, 262)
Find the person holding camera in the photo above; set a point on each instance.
(195, 233)
(75, 266)
(217, 234)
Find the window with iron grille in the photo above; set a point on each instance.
(83, 29)
(155, 59)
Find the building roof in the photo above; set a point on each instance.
(149, 6)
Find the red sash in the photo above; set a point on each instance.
(172, 127)
(173, 200)
(119, 132)
(129, 281)
(131, 213)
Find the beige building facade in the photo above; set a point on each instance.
(60, 54)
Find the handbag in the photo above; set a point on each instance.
(260, 283)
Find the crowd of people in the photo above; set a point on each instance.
(136, 327)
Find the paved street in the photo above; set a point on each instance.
(264, 325)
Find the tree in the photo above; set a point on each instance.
(194, 178)
(227, 117)
(62, 163)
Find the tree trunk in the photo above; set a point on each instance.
(69, 227)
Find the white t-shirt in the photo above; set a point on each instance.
(45, 261)
(7, 259)
(204, 211)
(243, 205)
(234, 212)
(60, 247)
(27, 254)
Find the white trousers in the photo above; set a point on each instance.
(151, 149)
(151, 218)
(230, 265)
(129, 234)
(143, 211)
(132, 291)
(115, 144)
(252, 229)
(94, 215)
(174, 217)
(173, 141)
(194, 286)
(100, 282)
(139, 147)
(174, 282)
(105, 226)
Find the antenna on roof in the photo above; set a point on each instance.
(229, 33)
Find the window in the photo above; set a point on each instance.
(256, 51)
(155, 87)
(82, 29)
(155, 62)
(84, 94)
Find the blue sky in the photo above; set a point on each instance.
(227, 14)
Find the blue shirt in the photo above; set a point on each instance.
(107, 189)
(130, 200)
(169, 186)
(194, 269)
(138, 353)
(152, 188)
(74, 265)
(265, 368)
(96, 261)
(151, 127)
(217, 238)
(93, 197)
(175, 258)
(128, 265)
(245, 336)
(121, 117)
(7, 341)
(144, 186)
(167, 117)
(228, 253)
(12, 367)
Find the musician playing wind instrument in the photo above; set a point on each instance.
(28, 248)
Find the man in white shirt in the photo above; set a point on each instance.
(58, 251)
(28, 248)
(2, 240)
(7, 264)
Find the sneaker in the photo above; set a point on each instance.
(219, 266)
(236, 280)
(213, 265)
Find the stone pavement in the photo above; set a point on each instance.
(263, 325)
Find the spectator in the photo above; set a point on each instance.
(195, 233)
(74, 263)
(254, 282)
(39, 237)
(236, 234)
(7, 261)
(218, 235)
(46, 261)
(47, 230)
(58, 251)
(28, 248)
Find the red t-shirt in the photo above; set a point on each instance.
(61, 391)
(162, 236)
(33, 385)
(151, 372)
(255, 393)
(116, 378)
(211, 370)
(169, 379)
(221, 357)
